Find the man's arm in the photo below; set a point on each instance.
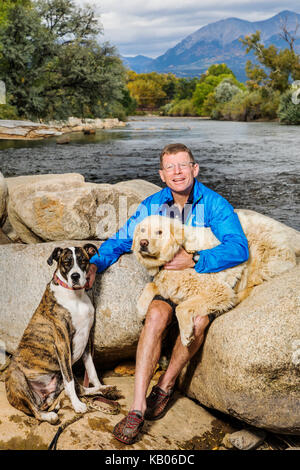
(233, 249)
(118, 244)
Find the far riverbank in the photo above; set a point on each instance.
(29, 130)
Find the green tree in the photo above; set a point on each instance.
(219, 69)
(53, 66)
(151, 90)
(289, 108)
(6, 5)
(185, 88)
(282, 65)
(205, 87)
(147, 93)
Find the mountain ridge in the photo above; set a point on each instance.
(218, 42)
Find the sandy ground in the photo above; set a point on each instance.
(185, 426)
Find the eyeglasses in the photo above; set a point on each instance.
(171, 166)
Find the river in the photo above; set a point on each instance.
(254, 165)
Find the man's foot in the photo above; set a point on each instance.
(157, 403)
(127, 429)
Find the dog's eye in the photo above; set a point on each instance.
(159, 232)
(142, 230)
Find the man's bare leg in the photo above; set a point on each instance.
(181, 355)
(148, 351)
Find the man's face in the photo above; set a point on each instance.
(178, 172)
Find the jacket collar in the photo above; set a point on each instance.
(197, 193)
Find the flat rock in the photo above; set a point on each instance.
(28, 130)
(10, 129)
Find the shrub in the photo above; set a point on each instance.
(288, 112)
(248, 106)
(270, 104)
(225, 91)
(8, 112)
(181, 108)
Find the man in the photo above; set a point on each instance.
(196, 205)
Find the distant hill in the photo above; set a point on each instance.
(217, 43)
(137, 63)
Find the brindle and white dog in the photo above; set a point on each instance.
(57, 336)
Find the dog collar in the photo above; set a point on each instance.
(65, 285)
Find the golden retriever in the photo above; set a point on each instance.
(157, 239)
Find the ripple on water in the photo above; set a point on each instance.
(253, 165)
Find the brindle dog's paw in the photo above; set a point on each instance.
(50, 416)
(80, 407)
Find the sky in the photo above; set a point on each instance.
(150, 28)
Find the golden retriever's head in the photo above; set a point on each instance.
(156, 240)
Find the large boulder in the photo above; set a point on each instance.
(70, 178)
(33, 211)
(65, 207)
(250, 362)
(3, 199)
(24, 273)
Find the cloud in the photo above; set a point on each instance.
(151, 27)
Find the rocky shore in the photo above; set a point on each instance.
(28, 130)
(247, 369)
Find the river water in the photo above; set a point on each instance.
(253, 165)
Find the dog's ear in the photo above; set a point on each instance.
(177, 230)
(55, 255)
(91, 250)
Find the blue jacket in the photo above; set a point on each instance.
(209, 209)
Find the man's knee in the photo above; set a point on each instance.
(200, 324)
(159, 315)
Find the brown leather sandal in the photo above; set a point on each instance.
(127, 429)
(157, 403)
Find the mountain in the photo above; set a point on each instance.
(137, 63)
(219, 42)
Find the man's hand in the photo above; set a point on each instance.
(182, 260)
(91, 275)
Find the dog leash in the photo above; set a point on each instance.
(53, 443)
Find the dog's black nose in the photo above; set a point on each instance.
(144, 243)
(75, 277)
